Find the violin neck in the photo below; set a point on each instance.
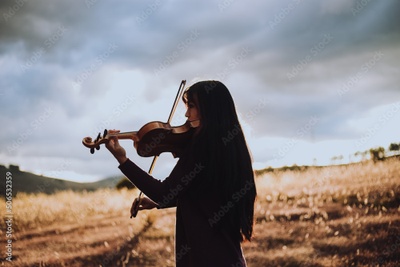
(127, 135)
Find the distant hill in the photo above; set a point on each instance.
(31, 183)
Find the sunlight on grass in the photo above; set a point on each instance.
(39, 210)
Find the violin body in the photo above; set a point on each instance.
(158, 137)
(152, 139)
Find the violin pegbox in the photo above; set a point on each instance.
(88, 142)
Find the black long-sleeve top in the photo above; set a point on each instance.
(202, 237)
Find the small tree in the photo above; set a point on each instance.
(377, 153)
(124, 182)
(394, 147)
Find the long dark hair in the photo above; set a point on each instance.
(221, 140)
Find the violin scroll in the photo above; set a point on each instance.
(89, 143)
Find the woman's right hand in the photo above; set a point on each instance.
(145, 203)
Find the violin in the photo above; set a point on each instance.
(152, 139)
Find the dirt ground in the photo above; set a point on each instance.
(288, 240)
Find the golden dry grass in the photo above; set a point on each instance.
(36, 210)
(331, 216)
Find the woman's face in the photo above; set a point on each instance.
(192, 112)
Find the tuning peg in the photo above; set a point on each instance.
(98, 138)
(105, 133)
(92, 151)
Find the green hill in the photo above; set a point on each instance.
(31, 183)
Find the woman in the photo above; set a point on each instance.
(212, 184)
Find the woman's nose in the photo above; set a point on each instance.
(187, 113)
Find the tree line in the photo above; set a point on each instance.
(375, 154)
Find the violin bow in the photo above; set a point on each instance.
(171, 114)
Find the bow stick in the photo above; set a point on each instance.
(171, 114)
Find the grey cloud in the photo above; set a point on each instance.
(306, 60)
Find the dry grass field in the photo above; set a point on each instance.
(330, 216)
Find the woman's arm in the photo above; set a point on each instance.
(165, 192)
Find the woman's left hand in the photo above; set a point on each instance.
(115, 148)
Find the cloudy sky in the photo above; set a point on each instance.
(311, 79)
